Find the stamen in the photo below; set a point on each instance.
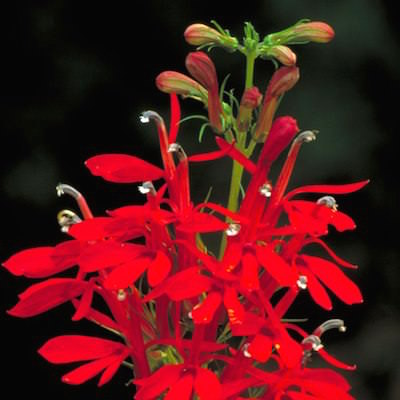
(315, 342)
(146, 116)
(306, 137)
(329, 202)
(265, 190)
(121, 295)
(66, 218)
(62, 189)
(178, 149)
(147, 187)
(233, 229)
(330, 324)
(245, 350)
(302, 282)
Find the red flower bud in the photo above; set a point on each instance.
(203, 35)
(319, 32)
(280, 135)
(251, 99)
(175, 82)
(282, 81)
(282, 53)
(202, 68)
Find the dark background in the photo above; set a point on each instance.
(78, 73)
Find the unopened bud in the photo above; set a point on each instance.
(251, 99)
(203, 35)
(281, 53)
(302, 32)
(282, 80)
(202, 68)
(281, 134)
(175, 82)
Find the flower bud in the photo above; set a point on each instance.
(280, 135)
(318, 32)
(251, 99)
(175, 82)
(202, 68)
(302, 32)
(203, 35)
(282, 80)
(281, 53)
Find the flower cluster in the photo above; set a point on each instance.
(190, 323)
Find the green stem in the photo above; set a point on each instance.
(250, 61)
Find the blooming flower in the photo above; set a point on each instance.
(195, 324)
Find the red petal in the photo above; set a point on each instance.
(289, 350)
(335, 362)
(275, 266)
(108, 253)
(159, 381)
(112, 369)
(335, 257)
(46, 295)
(123, 168)
(236, 155)
(233, 306)
(249, 276)
(179, 288)
(90, 229)
(260, 348)
(182, 389)
(324, 390)
(317, 291)
(206, 385)
(35, 263)
(326, 375)
(232, 256)
(84, 303)
(252, 324)
(331, 275)
(175, 118)
(202, 222)
(329, 189)
(126, 274)
(203, 313)
(71, 348)
(159, 269)
(88, 371)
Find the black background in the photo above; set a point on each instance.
(78, 73)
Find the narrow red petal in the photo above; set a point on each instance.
(159, 269)
(328, 189)
(260, 348)
(317, 291)
(275, 266)
(249, 276)
(108, 253)
(126, 274)
(46, 295)
(111, 370)
(182, 389)
(327, 375)
(36, 263)
(335, 362)
(332, 276)
(88, 371)
(207, 385)
(204, 312)
(90, 229)
(202, 222)
(72, 348)
(158, 382)
(84, 303)
(122, 168)
(235, 154)
(175, 118)
(180, 289)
